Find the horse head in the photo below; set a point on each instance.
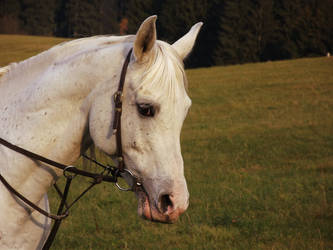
(155, 104)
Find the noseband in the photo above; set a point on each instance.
(109, 174)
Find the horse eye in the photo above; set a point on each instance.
(146, 109)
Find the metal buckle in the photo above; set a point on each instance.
(118, 97)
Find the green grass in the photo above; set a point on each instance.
(15, 48)
(258, 152)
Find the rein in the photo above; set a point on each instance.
(112, 173)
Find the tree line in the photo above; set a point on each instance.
(234, 31)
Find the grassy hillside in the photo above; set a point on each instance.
(258, 152)
(15, 48)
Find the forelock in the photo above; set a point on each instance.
(164, 73)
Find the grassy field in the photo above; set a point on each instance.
(258, 152)
(15, 48)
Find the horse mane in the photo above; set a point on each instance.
(37, 64)
(4, 70)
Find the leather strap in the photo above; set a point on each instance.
(71, 169)
(118, 96)
(31, 204)
(57, 223)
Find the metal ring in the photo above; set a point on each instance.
(135, 182)
(65, 172)
(126, 170)
(122, 189)
(65, 214)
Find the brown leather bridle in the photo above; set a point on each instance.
(112, 173)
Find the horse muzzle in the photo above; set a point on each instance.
(165, 210)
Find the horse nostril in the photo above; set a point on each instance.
(165, 204)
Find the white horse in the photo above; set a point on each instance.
(52, 103)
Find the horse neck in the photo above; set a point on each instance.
(48, 115)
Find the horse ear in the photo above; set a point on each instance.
(145, 38)
(185, 44)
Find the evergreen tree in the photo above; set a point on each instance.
(310, 39)
(84, 17)
(325, 10)
(234, 31)
(206, 50)
(10, 7)
(263, 26)
(178, 16)
(9, 16)
(238, 38)
(60, 18)
(288, 15)
(110, 16)
(138, 10)
(38, 16)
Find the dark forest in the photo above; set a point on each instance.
(234, 31)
